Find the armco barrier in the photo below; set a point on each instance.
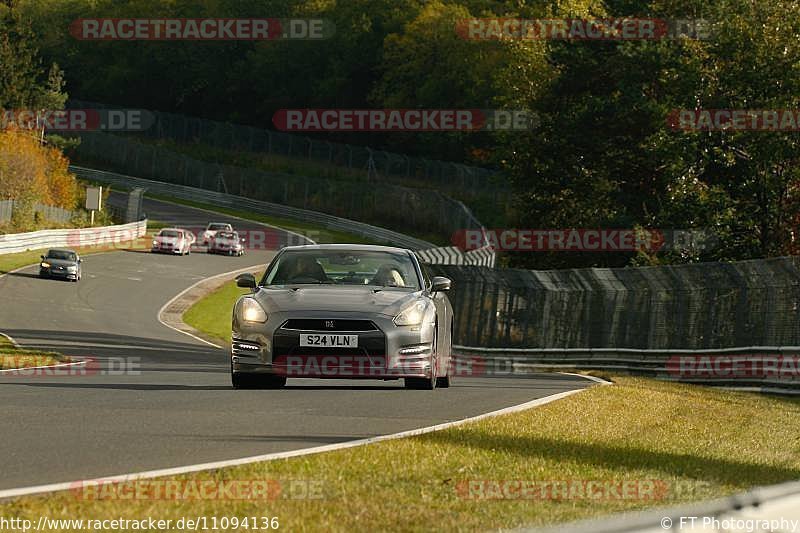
(193, 194)
(713, 367)
(69, 238)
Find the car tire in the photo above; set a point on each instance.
(444, 382)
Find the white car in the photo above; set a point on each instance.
(173, 241)
(226, 242)
(212, 229)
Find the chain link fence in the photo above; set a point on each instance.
(185, 129)
(422, 212)
(46, 212)
(696, 306)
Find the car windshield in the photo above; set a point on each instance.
(343, 267)
(217, 227)
(169, 233)
(62, 255)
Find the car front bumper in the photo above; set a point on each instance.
(385, 352)
(165, 250)
(58, 273)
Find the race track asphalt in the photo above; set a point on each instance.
(156, 398)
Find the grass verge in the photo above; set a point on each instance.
(212, 314)
(12, 357)
(9, 262)
(692, 442)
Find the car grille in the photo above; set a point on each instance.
(321, 325)
(284, 343)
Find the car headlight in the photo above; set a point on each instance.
(155, 243)
(251, 311)
(45, 264)
(72, 268)
(413, 315)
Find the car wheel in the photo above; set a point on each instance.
(444, 382)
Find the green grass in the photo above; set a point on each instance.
(212, 314)
(706, 441)
(320, 234)
(12, 357)
(9, 262)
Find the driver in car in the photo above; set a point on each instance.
(303, 268)
(388, 276)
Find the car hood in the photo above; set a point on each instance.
(336, 299)
(168, 240)
(61, 262)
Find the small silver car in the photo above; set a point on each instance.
(173, 241)
(226, 242)
(59, 263)
(343, 311)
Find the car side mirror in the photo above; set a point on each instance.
(247, 281)
(42, 257)
(440, 283)
(80, 260)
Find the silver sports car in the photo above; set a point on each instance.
(342, 311)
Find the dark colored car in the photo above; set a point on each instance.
(57, 263)
(343, 311)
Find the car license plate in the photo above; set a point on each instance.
(329, 341)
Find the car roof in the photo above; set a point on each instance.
(67, 250)
(353, 247)
(219, 224)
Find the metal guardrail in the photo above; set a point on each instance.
(660, 364)
(71, 238)
(378, 163)
(193, 194)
